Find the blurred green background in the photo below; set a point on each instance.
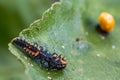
(15, 15)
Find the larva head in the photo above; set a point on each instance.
(58, 62)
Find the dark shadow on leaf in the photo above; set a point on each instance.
(103, 33)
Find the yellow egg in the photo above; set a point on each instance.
(106, 21)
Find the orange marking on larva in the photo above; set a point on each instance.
(31, 52)
(26, 49)
(36, 53)
(63, 62)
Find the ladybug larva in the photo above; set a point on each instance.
(40, 56)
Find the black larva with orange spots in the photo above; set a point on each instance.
(40, 56)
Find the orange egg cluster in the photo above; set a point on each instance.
(106, 21)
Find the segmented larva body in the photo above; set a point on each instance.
(40, 56)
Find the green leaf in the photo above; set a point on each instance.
(94, 57)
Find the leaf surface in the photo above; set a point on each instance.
(93, 57)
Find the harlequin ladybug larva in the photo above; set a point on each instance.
(106, 21)
(40, 56)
